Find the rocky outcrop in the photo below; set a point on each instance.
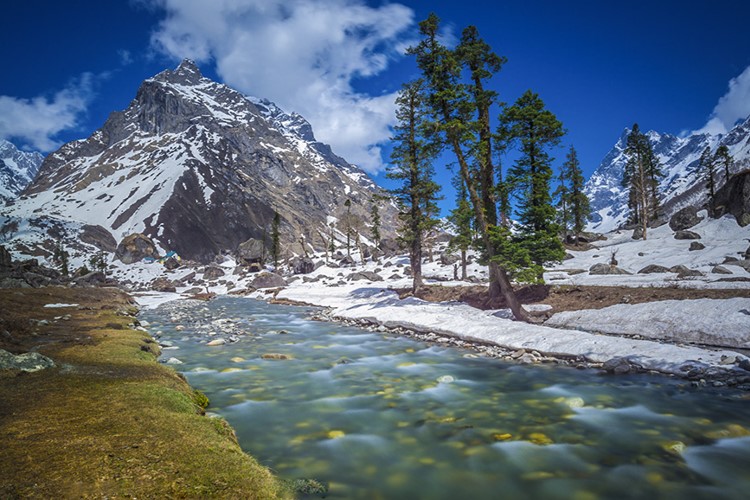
(27, 362)
(684, 219)
(163, 284)
(5, 259)
(302, 265)
(734, 198)
(652, 269)
(99, 237)
(213, 272)
(606, 269)
(134, 248)
(686, 235)
(268, 280)
(364, 275)
(252, 251)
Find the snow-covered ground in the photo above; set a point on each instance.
(658, 336)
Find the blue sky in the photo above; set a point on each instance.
(600, 66)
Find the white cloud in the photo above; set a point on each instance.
(301, 54)
(732, 106)
(38, 120)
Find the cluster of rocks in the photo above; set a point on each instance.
(30, 273)
(26, 362)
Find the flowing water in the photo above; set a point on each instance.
(378, 416)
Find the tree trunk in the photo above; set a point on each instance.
(463, 265)
(415, 259)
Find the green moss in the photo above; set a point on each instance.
(200, 399)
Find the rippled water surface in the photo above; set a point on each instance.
(378, 416)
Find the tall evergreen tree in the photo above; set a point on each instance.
(275, 239)
(706, 168)
(579, 205)
(535, 129)
(452, 107)
(412, 157)
(461, 218)
(641, 176)
(562, 197)
(348, 225)
(375, 220)
(723, 158)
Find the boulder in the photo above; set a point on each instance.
(696, 245)
(95, 278)
(720, 270)
(27, 362)
(747, 253)
(99, 237)
(448, 259)
(134, 248)
(6, 260)
(684, 219)
(638, 233)
(389, 247)
(162, 284)
(364, 275)
(268, 280)
(653, 268)
(744, 264)
(689, 273)
(346, 261)
(252, 251)
(213, 272)
(171, 263)
(621, 366)
(302, 265)
(255, 267)
(606, 269)
(686, 235)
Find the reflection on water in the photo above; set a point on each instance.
(378, 416)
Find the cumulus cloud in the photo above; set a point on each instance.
(732, 106)
(302, 54)
(36, 121)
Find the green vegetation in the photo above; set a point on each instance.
(641, 177)
(109, 421)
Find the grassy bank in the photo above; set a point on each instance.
(108, 420)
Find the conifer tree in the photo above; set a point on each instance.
(452, 106)
(723, 158)
(535, 129)
(412, 158)
(562, 195)
(348, 226)
(275, 243)
(641, 176)
(579, 206)
(461, 218)
(706, 168)
(375, 220)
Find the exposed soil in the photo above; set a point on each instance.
(568, 298)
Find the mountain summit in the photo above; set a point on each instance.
(682, 184)
(17, 169)
(200, 168)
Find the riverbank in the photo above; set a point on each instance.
(107, 420)
(493, 333)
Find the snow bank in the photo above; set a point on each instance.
(456, 319)
(704, 321)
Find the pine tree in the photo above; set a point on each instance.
(375, 220)
(641, 176)
(452, 107)
(461, 218)
(706, 168)
(723, 157)
(348, 226)
(535, 129)
(579, 206)
(412, 158)
(562, 195)
(275, 243)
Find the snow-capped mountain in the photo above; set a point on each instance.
(682, 185)
(200, 168)
(17, 169)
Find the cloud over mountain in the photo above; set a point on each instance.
(302, 54)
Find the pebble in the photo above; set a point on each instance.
(216, 342)
(173, 361)
(445, 379)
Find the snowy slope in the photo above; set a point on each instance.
(200, 168)
(17, 169)
(681, 185)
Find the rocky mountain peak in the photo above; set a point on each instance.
(17, 169)
(186, 73)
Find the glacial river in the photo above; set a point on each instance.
(377, 416)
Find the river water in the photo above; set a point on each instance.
(379, 416)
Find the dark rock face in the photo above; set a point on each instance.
(5, 258)
(134, 248)
(684, 219)
(653, 268)
(99, 237)
(686, 235)
(734, 198)
(302, 265)
(268, 280)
